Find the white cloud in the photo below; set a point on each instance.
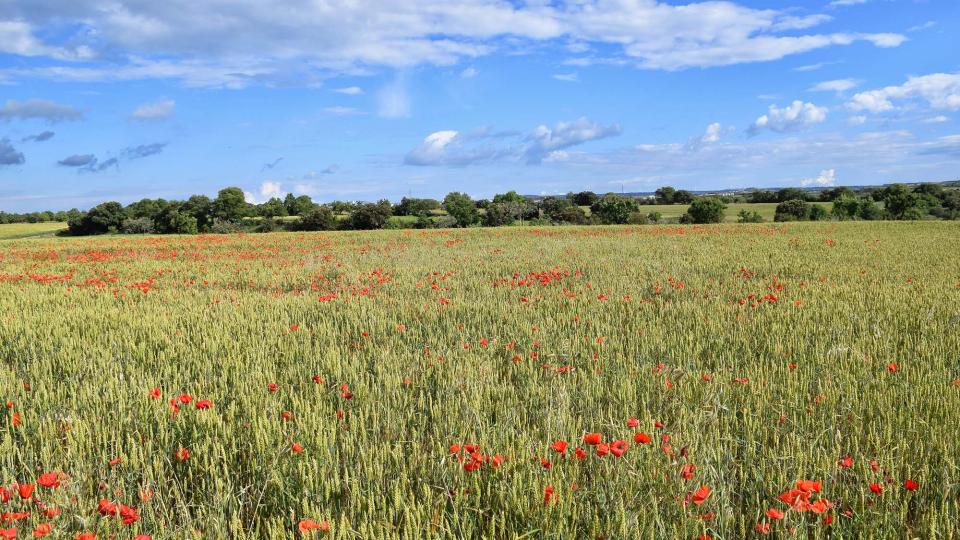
(341, 111)
(938, 90)
(268, 190)
(154, 111)
(566, 77)
(939, 119)
(712, 134)
(847, 2)
(857, 120)
(349, 90)
(455, 149)
(38, 109)
(794, 117)
(826, 178)
(216, 43)
(393, 100)
(837, 85)
(469, 73)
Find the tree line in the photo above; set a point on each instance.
(230, 212)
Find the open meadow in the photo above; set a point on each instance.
(798, 380)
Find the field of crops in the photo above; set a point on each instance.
(733, 381)
(12, 231)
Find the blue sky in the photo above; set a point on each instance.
(363, 99)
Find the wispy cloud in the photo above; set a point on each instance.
(154, 111)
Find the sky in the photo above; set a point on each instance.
(368, 99)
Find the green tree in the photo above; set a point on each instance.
(369, 216)
(792, 210)
(321, 218)
(664, 195)
(200, 207)
(461, 208)
(613, 209)
(272, 208)
(682, 196)
(818, 212)
(706, 210)
(749, 217)
(230, 205)
(584, 198)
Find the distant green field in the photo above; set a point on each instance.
(674, 211)
(11, 231)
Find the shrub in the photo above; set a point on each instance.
(143, 225)
(654, 217)
(613, 209)
(222, 226)
(818, 212)
(705, 210)
(792, 210)
(749, 217)
(321, 218)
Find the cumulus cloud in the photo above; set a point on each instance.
(203, 42)
(268, 190)
(794, 117)
(938, 90)
(455, 149)
(836, 85)
(9, 155)
(826, 178)
(38, 109)
(39, 137)
(154, 111)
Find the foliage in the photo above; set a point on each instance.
(371, 215)
(706, 210)
(793, 210)
(461, 209)
(749, 217)
(613, 209)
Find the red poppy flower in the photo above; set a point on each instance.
(470, 448)
(593, 438)
(641, 438)
(318, 379)
(846, 462)
(773, 513)
(155, 393)
(763, 527)
(548, 494)
(8, 534)
(820, 506)
(286, 415)
(146, 494)
(272, 387)
(25, 490)
(296, 448)
(307, 526)
(454, 448)
(545, 463)
(687, 471)
(876, 488)
(618, 448)
(86, 536)
(910, 485)
(204, 404)
(115, 461)
(559, 446)
(808, 486)
(603, 449)
(183, 454)
(700, 495)
(42, 529)
(49, 480)
(633, 422)
(580, 453)
(185, 398)
(892, 367)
